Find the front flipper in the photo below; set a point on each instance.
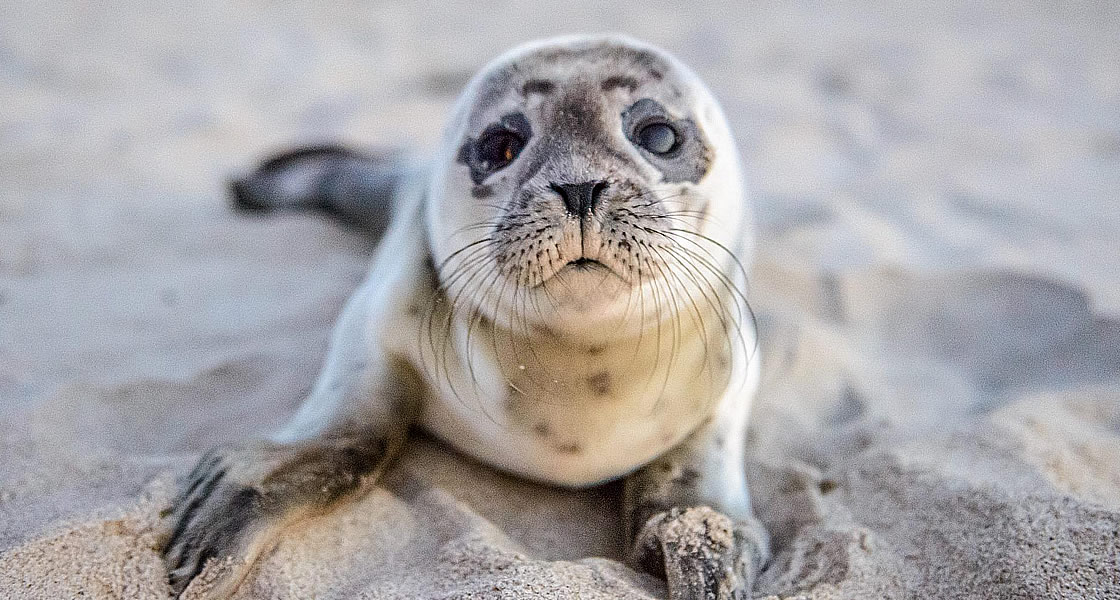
(703, 554)
(238, 498)
(341, 439)
(689, 518)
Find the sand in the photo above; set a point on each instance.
(937, 286)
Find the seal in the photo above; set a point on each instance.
(558, 293)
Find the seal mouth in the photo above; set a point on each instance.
(582, 265)
(585, 263)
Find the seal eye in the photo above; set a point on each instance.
(496, 149)
(658, 138)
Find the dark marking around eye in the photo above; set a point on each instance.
(464, 154)
(691, 156)
(537, 86)
(481, 190)
(517, 123)
(619, 81)
(496, 147)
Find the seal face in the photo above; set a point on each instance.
(594, 164)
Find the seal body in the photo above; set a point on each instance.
(584, 391)
(558, 294)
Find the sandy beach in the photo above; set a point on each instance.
(937, 281)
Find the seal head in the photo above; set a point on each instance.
(588, 186)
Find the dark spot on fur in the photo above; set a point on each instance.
(481, 190)
(542, 429)
(600, 383)
(485, 322)
(413, 309)
(537, 86)
(569, 448)
(827, 485)
(617, 81)
(544, 330)
(595, 350)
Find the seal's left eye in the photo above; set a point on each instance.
(496, 149)
(658, 138)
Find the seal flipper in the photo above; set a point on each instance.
(354, 186)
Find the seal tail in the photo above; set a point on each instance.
(356, 187)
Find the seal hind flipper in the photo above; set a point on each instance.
(356, 187)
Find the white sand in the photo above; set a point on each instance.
(937, 284)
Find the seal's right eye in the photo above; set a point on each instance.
(496, 149)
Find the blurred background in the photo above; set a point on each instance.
(937, 278)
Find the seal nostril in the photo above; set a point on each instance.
(580, 199)
(596, 192)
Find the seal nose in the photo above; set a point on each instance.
(580, 199)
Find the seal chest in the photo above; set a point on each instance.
(574, 414)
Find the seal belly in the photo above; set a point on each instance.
(581, 441)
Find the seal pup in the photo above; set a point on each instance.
(559, 293)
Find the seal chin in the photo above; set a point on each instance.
(583, 289)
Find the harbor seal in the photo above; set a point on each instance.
(558, 293)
